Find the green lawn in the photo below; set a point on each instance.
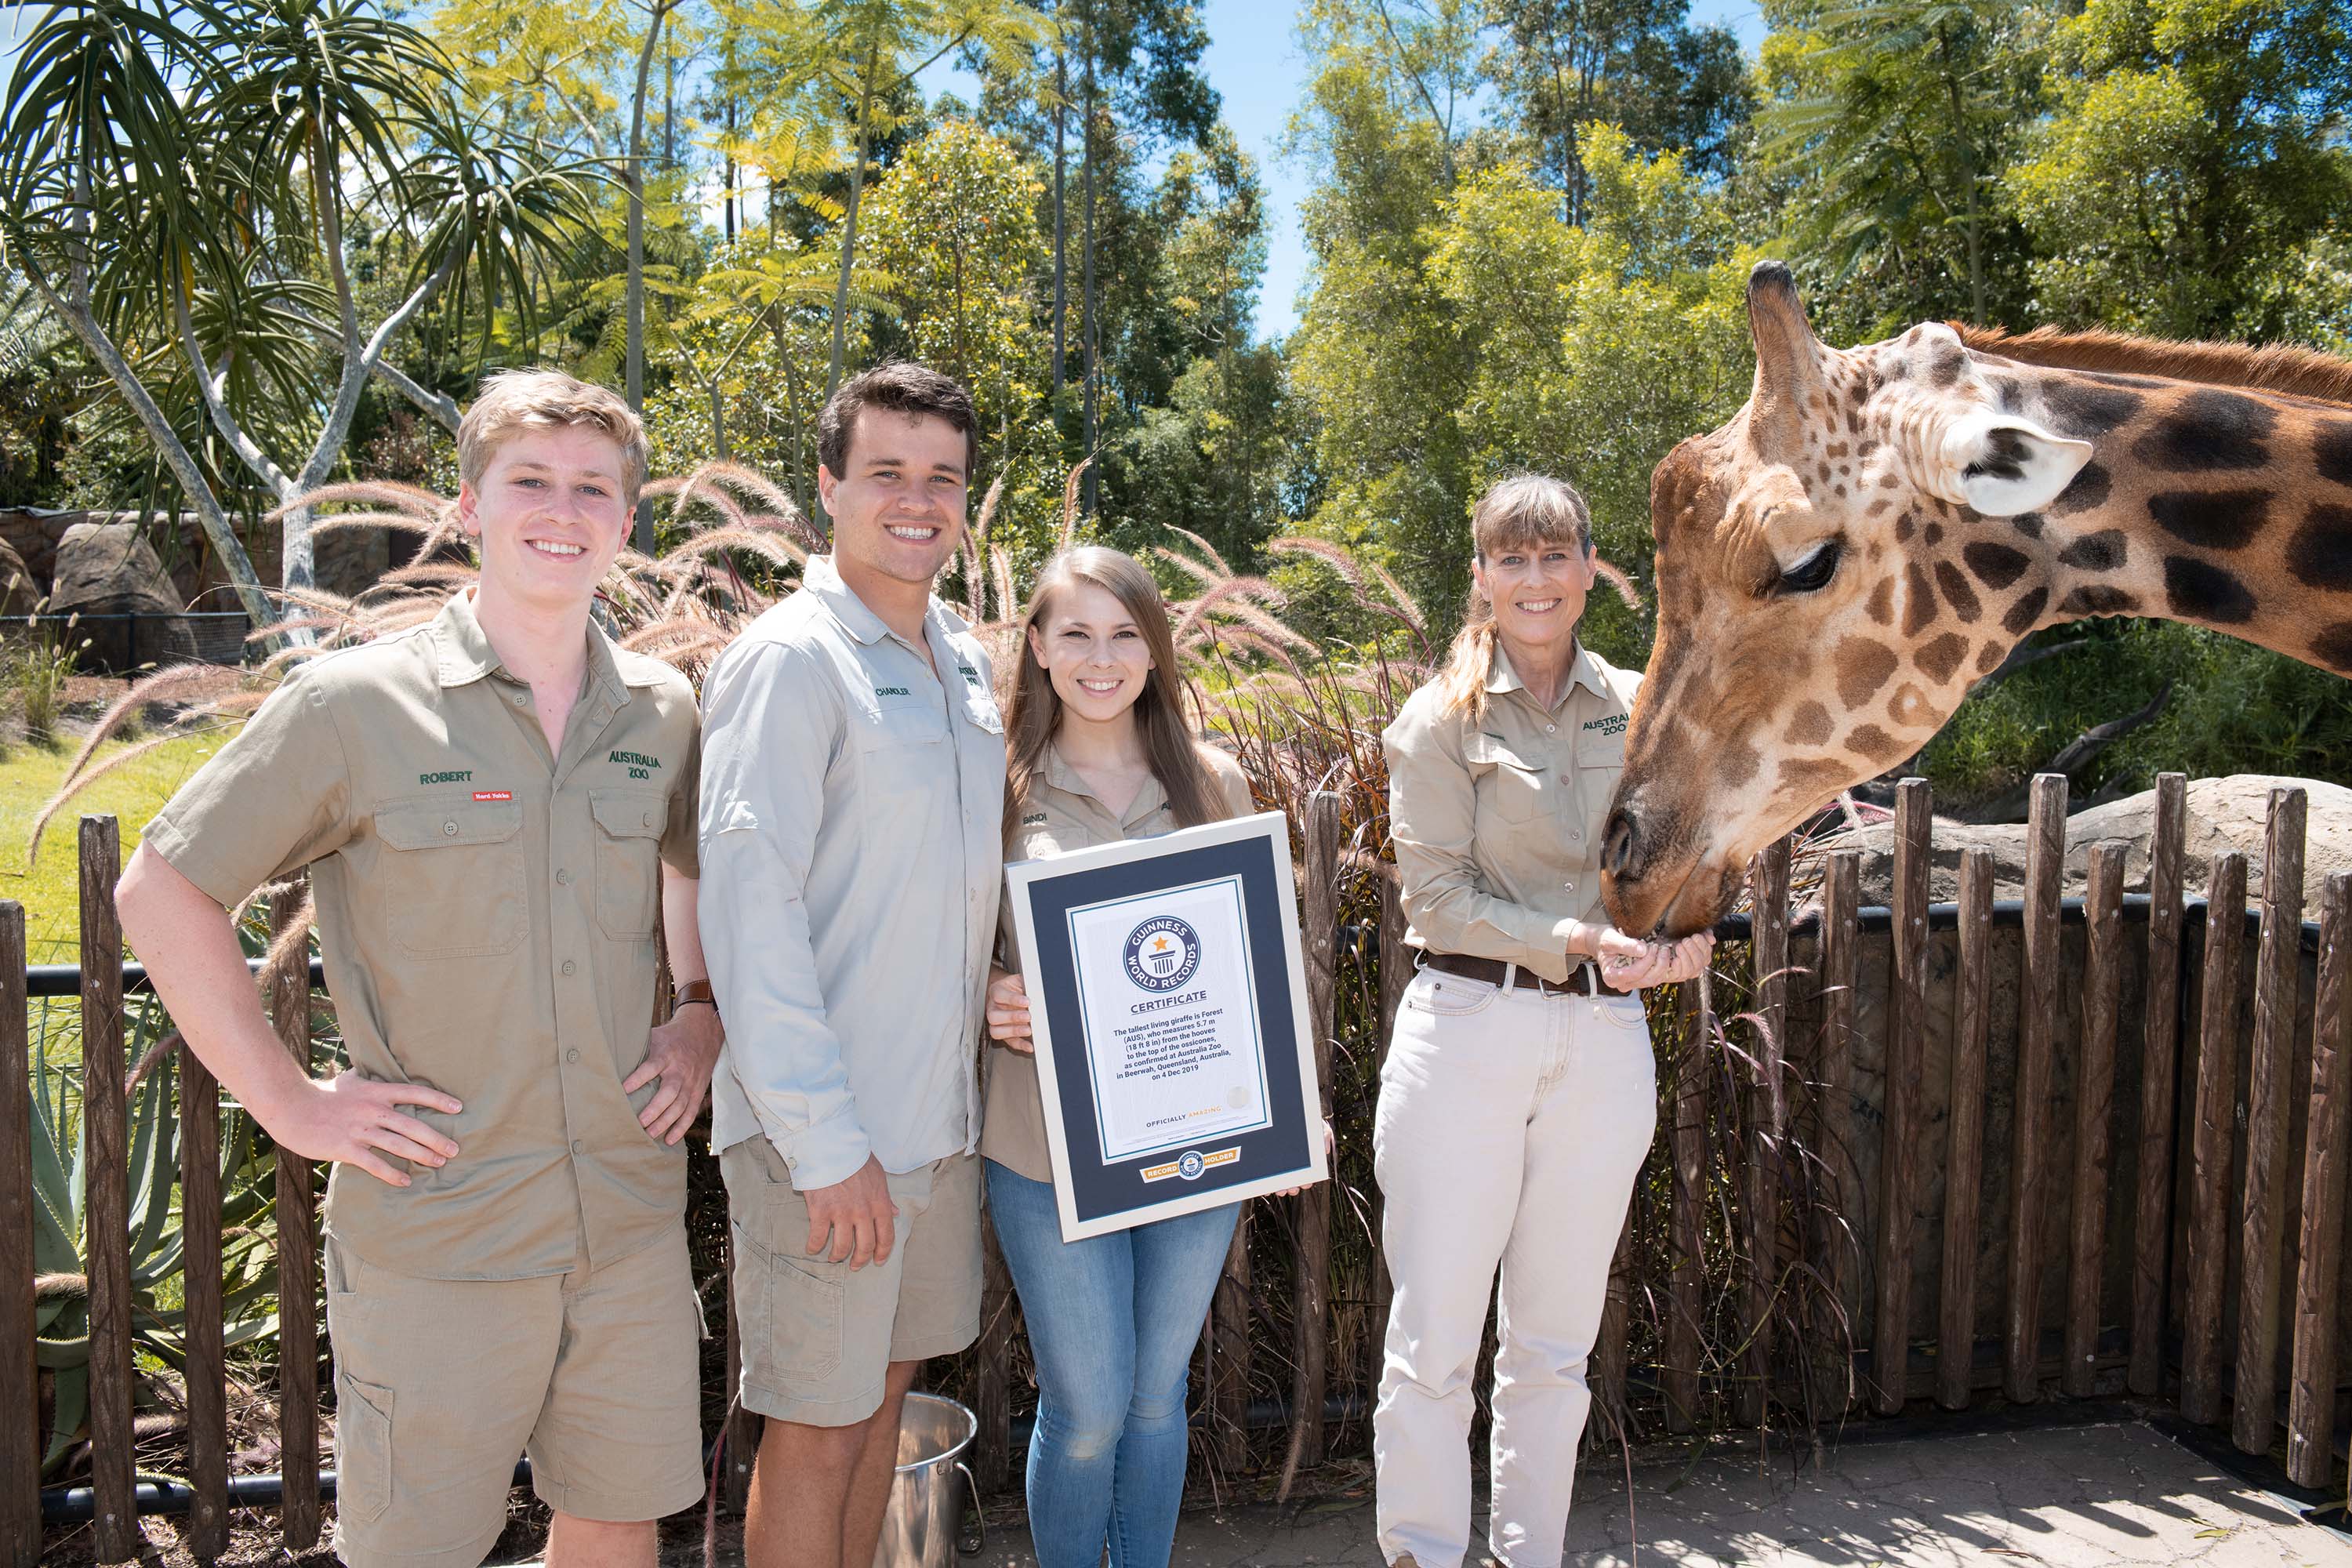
(50, 889)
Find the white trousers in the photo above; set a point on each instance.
(1511, 1127)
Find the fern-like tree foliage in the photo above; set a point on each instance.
(179, 182)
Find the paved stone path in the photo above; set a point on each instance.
(2083, 1496)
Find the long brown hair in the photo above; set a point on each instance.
(1036, 710)
(1525, 512)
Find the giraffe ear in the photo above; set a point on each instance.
(2000, 465)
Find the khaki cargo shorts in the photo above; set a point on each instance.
(440, 1384)
(817, 1336)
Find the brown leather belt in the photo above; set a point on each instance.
(1491, 971)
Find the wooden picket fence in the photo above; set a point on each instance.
(2210, 1200)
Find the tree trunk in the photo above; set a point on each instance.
(636, 372)
(1968, 177)
(803, 483)
(849, 223)
(1092, 303)
(1061, 257)
(210, 516)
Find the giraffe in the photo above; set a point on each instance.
(1877, 527)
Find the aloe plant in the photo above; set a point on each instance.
(61, 1244)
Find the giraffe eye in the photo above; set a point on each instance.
(1814, 571)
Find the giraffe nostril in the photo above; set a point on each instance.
(1619, 843)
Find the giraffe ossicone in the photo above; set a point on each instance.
(1877, 527)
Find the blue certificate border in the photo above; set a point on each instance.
(1101, 1189)
(1249, 973)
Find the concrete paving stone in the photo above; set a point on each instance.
(2115, 1495)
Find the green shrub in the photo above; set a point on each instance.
(34, 672)
(62, 1246)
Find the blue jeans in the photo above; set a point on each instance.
(1112, 1323)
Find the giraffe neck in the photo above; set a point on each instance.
(2218, 507)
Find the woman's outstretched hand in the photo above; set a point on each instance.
(1628, 963)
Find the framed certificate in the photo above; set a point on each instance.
(1168, 1002)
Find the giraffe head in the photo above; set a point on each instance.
(1835, 566)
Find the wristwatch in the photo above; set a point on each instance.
(691, 992)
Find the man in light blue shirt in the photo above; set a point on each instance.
(851, 792)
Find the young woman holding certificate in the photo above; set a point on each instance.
(1518, 1096)
(1098, 752)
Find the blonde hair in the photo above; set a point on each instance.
(516, 400)
(1036, 711)
(1521, 513)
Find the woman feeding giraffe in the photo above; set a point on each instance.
(1518, 1096)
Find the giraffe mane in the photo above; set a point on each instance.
(2287, 368)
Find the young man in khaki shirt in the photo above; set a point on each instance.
(493, 807)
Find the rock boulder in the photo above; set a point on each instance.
(19, 593)
(108, 569)
(2223, 814)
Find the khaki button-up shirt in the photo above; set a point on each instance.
(1497, 822)
(486, 912)
(852, 804)
(1062, 812)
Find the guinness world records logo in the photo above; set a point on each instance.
(1163, 952)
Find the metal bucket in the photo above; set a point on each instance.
(920, 1528)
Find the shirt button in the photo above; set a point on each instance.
(569, 967)
(579, 1146)
(1576, 837)
(572, 1055)
(1550, 729)
(449, 828)
(522, 699)
(647, 821)
(563, 879)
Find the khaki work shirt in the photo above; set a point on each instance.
(487, 912)
(1498, 824)
(852, 804)
(1062, 812)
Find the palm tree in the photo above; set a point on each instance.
(183, 173)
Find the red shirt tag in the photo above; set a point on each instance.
(493, 794)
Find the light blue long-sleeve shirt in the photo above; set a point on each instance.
(851, 815)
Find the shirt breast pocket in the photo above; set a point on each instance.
(453, 877)
(902, 754)
(628, 859)
(1510, 786)
(1598, 767)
